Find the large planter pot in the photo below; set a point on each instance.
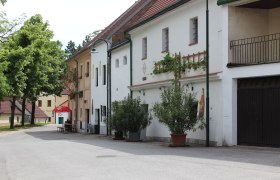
(178, 140)
(118, 135)
(134, 136)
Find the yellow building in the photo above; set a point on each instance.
(80, 88)
(48, 103)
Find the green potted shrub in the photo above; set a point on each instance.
(117, 122)
(130, 115)
(178, 111)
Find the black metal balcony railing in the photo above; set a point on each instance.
(256, 50)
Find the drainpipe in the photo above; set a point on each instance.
(207, 75)
(77, 90)
(109, 89)
(130, 61)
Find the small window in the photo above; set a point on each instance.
(103, 110)
(104, 74)
(81, 72)
(81, 112)
(96, 77)
(49, 103)
(165, 40)
(193, 31)
(40, 103)
(144, 48)
(125, 60)
(87, 73)
(117, 63)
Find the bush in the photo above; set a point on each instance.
(129, 115)
(178, 110)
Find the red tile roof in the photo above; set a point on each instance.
(5, 108)
(157, 6)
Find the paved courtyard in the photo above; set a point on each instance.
(42, 153)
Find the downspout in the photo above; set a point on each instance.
(109, 90)
(77, 90)
(130, 61)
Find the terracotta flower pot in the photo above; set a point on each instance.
(178, 140)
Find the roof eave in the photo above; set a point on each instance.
(170, 8)
(222, 2)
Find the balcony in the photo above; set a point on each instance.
(255, 50)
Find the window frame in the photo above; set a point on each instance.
(193, 35)
(165, 40)
(144, 48)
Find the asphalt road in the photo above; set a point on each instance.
(43, 154)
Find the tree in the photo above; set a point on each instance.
(7, 26)
(3, 2)
(46, 64)
(17, 57)
(70, 48)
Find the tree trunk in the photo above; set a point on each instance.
(23, 111)
(33, 113)
(13, 107)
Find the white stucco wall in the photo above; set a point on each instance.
(178, 23)
(65, 116)
(120, 75)
(249, 22)
(99, 93)
(243, 23)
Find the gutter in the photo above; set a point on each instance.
(222, 2)
(166, 10)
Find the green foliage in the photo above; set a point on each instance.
(3, 2)
(177, 65)
(178, 110)
(4, 87)
(7, 27)
(129, 115)
(70, 48)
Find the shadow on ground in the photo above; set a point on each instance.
(254, 155)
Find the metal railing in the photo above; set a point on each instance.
(255, 50)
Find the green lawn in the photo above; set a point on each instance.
(6, 127)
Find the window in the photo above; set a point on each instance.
(40, 103)
(49, 103)
(104, 74)
(81, 73)
(144, 48)
(103, 110)
(193, 31)
(165, 40)
(125, 60)
(117, 63)
(81, 112)
(96, 76)
(87, 73)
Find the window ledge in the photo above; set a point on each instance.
(194, 43)
(165, 51)
(144, 58)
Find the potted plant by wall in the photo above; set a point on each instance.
(117, 122)
(137, 117)
(178, 111)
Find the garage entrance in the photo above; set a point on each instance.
(258, 111)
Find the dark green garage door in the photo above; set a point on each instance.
(258, 111)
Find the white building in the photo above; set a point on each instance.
(99, 86)
(251, 55)
(179, 29)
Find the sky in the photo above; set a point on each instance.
(70, 19)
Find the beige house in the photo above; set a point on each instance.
(48, 103)
(80, 73)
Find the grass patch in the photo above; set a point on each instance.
(6, 127)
